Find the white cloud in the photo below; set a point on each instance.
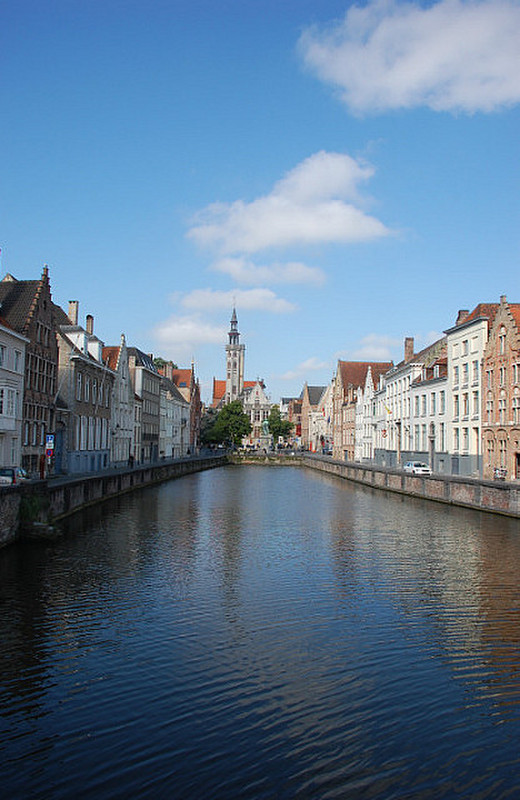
(373, 347)
(250, 299)
(243, 270)
(454, 55)
(302, 370)
(179, 336)
(312, 204)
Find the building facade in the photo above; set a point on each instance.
(26, 306)
(146, 383)
(12, 368)
(122, 405)
(501, 395)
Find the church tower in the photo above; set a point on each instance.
(235, 354)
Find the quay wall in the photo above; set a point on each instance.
(495, 496)
(30, 508)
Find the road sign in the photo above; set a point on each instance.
(49, 442)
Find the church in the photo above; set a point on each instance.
(252, 394)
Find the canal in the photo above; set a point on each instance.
(254, 632)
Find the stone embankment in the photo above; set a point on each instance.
(32, 508)
(495, 496)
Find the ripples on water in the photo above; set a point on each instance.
(263, 633)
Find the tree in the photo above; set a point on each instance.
(230, 425)
(277, 425)
(160, 363)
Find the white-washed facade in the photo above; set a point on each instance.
(395, 411)
(321, 422)
(428, 418)
(256, 405)
(12, 367)
(466, 344)
(174, 428)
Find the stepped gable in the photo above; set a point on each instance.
(16, 301)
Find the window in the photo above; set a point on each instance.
(489, 378)
(502, 340)
(17, 361)
(516, 409)
(433, 399)
(417, 405)
(2, 356)
(502, 376)
(79, 380)
(465, 439)
(489, 409)
(456, 439)
(456, 376)
(502, 409)
(34, 440)
(465, 347)
(87, 389)
(442, 402)
(423, 405)
(475, 401)
(1, 401)
(465, 374)
(456, 406)
(442, 437)
(465, 404)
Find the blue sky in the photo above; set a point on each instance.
(348, 174)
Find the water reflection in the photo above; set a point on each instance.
(263, 633)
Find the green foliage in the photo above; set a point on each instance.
(277, 425)
(160, 363)
(229, 425)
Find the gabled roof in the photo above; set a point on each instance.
(354, 373)
(182, 377)
(142, 359)
(111, 357)
(16, 301)
(488, 310)
(60, 317)
(515, 313)
(219, 390)
(314, 393)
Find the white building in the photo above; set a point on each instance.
(395, 410)
(429, 417)
(257, 405)
(466, 343)
(320, 422)
(174, 430)
(122, 407)
(12, 367)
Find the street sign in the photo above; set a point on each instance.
(49, 442)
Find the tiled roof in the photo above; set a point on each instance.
(111, 357)
(181, 377)
(314, 393)
(142, 359)
(354, 373)
(60, 317)
(515, 311)
(488, 310)
(16, 300)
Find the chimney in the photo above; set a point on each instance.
(90, 324)
(73, 311)
(462, 316)
(408, 349)
(503, 299)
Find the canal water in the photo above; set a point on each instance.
(254, 632)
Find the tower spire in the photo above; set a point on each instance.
(235, 354)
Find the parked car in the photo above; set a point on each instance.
(12, 475)
(417, 468)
